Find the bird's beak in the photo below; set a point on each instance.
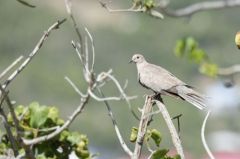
(130, 61)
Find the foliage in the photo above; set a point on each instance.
(155, 136)
(189, 48)
(37, 120)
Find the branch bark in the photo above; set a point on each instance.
(175, 138)
(147, 108)
(198, 7)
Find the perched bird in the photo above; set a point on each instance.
(162, 81)
(237, 39)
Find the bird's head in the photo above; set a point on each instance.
(137, 58)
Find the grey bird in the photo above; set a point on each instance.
(159, 80)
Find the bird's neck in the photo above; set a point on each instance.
(141, 65)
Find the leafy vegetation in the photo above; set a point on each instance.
(188, 47)
(38, 120)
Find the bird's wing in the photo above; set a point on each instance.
(157, 78)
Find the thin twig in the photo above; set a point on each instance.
(120, 138)
(26, 3)
(93, 48)
(33, 53)
(147, 108)
(203, 136)
(11, 66)
(175, 138)
(75, 87)
(131, 9)
(229, 71)
(68, 4)
(200, 6)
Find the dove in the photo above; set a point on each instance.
(159, 80)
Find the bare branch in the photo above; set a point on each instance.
(120, 138)
(229, 71)
(68, 4)
(175, 138)
(203, 136)
(93, 48)
(33, 53)
(59, 130)
(26, 3)
(75, 87)
(147, 108)
(11, 66)
(101, 99)
(131, 9)
(200, 6)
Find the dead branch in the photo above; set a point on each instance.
(26, 3)
(120, 138)
(175, 138)
(199, 7)
(4, 72)
(147, 108)
(229, 71)
(203, 136)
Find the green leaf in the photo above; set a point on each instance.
(74, 138)
(177, 157)
(53, 114)
(156, 136)
(159, 154)
(133, 136)
(64, 135)
(197, 55)
(180, 48)
(191, 44)
(38, 115)
(149, 3)
(209, 69)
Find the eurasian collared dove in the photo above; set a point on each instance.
(162, 81)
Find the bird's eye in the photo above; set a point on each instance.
(137, 57)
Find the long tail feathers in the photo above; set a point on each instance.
(192, 97)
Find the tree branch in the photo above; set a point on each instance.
(175, 138)
(120, 138)
(26, 3)
(229, 70)
(10, 66)
(142, 127)
(203, 136)
(198, 7)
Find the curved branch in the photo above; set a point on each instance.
(200, 6)
(203, 136)
(175, 138)
(229, 70)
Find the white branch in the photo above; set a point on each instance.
(175, 138)
(120, 138)
(203, 136)
(229, 70)
(93, 48)
(10, 66)
(200, 6)
(142, 128)
(131, 9)
(75, 87)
